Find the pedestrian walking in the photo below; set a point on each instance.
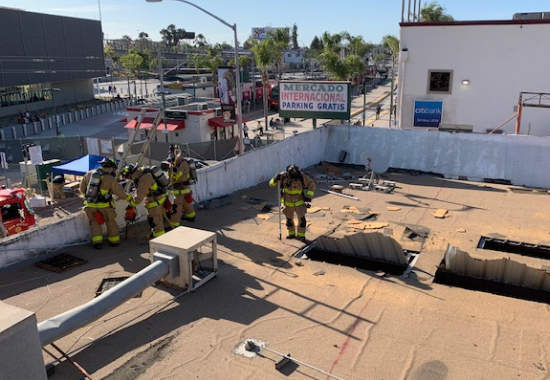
(259, 129)
(378, 109)
(245, 131)
(297, 189)
(110, 89)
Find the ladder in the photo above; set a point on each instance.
(145, 144)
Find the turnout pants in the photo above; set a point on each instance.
(109, 214)
(300, 212)
(155, 219)
(182, 208)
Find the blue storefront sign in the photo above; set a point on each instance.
(427, 113)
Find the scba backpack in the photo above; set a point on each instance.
(160, 177)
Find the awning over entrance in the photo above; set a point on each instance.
(218, 122)
(147, 123)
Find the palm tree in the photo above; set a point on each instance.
(281, 40)
(213, 60)
(200, 41)
(331, 42)
(143, 41)
(434, 12)
(264, 53)
(127, 41)
(172, 36)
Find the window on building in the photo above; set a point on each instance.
(440, 81)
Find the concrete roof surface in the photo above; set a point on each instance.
(353, 323)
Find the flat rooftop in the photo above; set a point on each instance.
(352, 323)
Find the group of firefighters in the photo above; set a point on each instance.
(99, 185)
(172, 202)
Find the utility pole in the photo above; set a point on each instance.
(391, 90)
(364, 98)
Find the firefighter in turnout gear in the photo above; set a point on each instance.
(150, 189)
(180, 179)
(98, 187)
(297, 189)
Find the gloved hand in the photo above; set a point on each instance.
(278, 177)
(307, 199)
(174, 208)
(308, 205)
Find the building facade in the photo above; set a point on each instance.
(468, 75)
(40, 53)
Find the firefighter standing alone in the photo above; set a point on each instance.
(297, 189)
(98, 187)
(148, 188)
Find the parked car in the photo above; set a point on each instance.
(158, 92)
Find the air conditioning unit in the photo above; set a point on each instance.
(202, 106)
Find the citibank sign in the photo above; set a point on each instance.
(427, 113)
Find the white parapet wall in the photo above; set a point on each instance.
(73, 229)
(517, 158)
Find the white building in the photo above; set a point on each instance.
(473, 73)
(193, 123)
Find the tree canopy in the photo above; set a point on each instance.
(434, 12)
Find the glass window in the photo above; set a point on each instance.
(440, 81)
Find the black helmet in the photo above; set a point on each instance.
(128, 170)
(108, 163)
(165, 165)
(293, 171)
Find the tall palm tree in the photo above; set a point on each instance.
(172, 36)
(331, 42)
(264, 53)
(213, 60)
(200, 41)
(434, 12)
(281, 40)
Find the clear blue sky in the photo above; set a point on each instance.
(368, 18)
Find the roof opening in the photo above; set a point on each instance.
(60, 263)
(510, 246)
(369, 251)
(502, 276)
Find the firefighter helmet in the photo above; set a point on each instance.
(128, 170)
(108, 163)
(293, 171)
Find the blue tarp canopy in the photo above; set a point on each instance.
(79, 166)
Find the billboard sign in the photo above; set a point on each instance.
(315, 99)
(227, 93)
(427, 113)
(261, 33)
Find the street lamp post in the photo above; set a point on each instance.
(51, 91)
(237, 68)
